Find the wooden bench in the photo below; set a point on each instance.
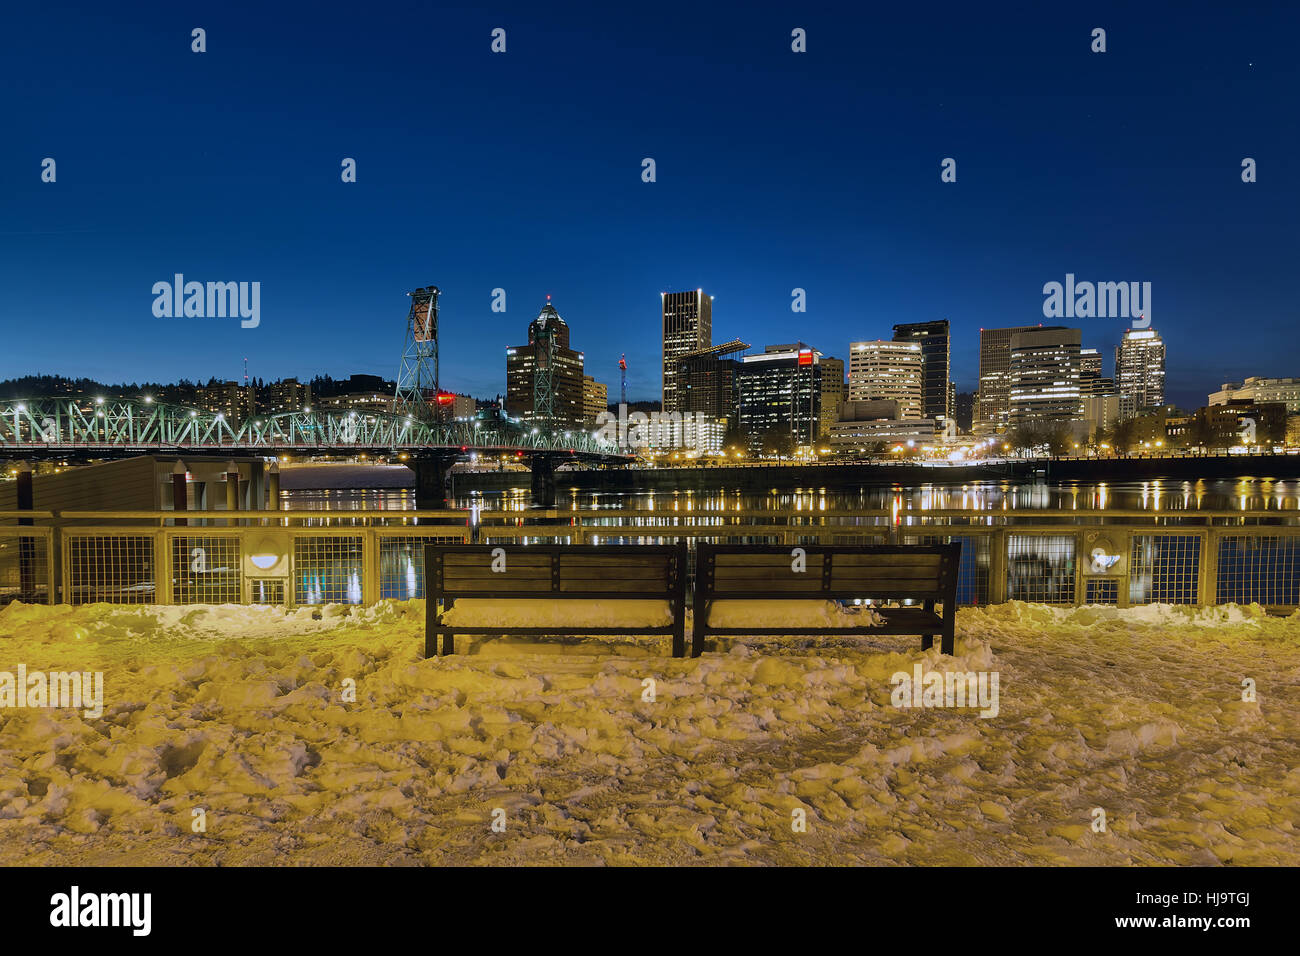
(923, 573)
(577, 572)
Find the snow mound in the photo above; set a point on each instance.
(789, 614)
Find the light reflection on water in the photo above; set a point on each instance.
(1154, 495)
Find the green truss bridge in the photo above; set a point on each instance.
(114, 428)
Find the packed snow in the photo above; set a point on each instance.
(243, 713)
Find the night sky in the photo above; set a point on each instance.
(522, 170)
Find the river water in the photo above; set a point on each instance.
(1251, 494)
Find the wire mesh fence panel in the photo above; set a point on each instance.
(206, 569)
(1101, 591)
(1164, 569)
(118, 569)
(1040, 568)
(401, 564)
(25, 569)
(858, 539)
(266, 591)
(973, 573)
(328, 569)
(1261, 569)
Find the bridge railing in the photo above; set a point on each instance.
(301, 558)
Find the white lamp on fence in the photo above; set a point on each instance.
(267, 556)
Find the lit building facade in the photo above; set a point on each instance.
(1260, 390)
(595, 399)
(889, 371)
(687, 327)
(236, 402)
(780, 395)
(1140, 368)
(568, 403)
(993, 400)
(864, 426)
(835, 392)
(936, 364)
(286, 395)
(708, 381)
(1044, 376)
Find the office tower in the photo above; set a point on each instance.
(595, 399)
(834, 393)
(1089, 370)
(1044, 376)
(707, 382)
(687, 327)
(993, 400)
(1140, 368)
(780, 395)
(887, 370)
(524, 363)
(936, 364)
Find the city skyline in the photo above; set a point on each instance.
(230, 171)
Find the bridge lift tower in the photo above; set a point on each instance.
(417, 379)
(544, 370)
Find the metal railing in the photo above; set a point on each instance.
(1064, 556)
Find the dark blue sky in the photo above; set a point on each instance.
(522, 171)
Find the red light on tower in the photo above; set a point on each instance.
(446, 398)
(805, 356)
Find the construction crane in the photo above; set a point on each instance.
(622, 365)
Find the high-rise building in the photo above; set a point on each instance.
(687, 327)
(834, 393)
(936, 364)
(1140, 368)
(780, 395)
(286, 395)
(524, 363)
(707, 382)
(236, 402)
(993, 400)
(1089, 367)
(1261, 390)
(595, 399)
(887, 370)
(1044, 376)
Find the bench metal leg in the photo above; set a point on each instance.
(699, 623)
(448, 643)
(679, 629)
(946, 646)
(927, 641)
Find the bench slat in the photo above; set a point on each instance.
(557, 572)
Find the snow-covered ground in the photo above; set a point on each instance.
(240, 711)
